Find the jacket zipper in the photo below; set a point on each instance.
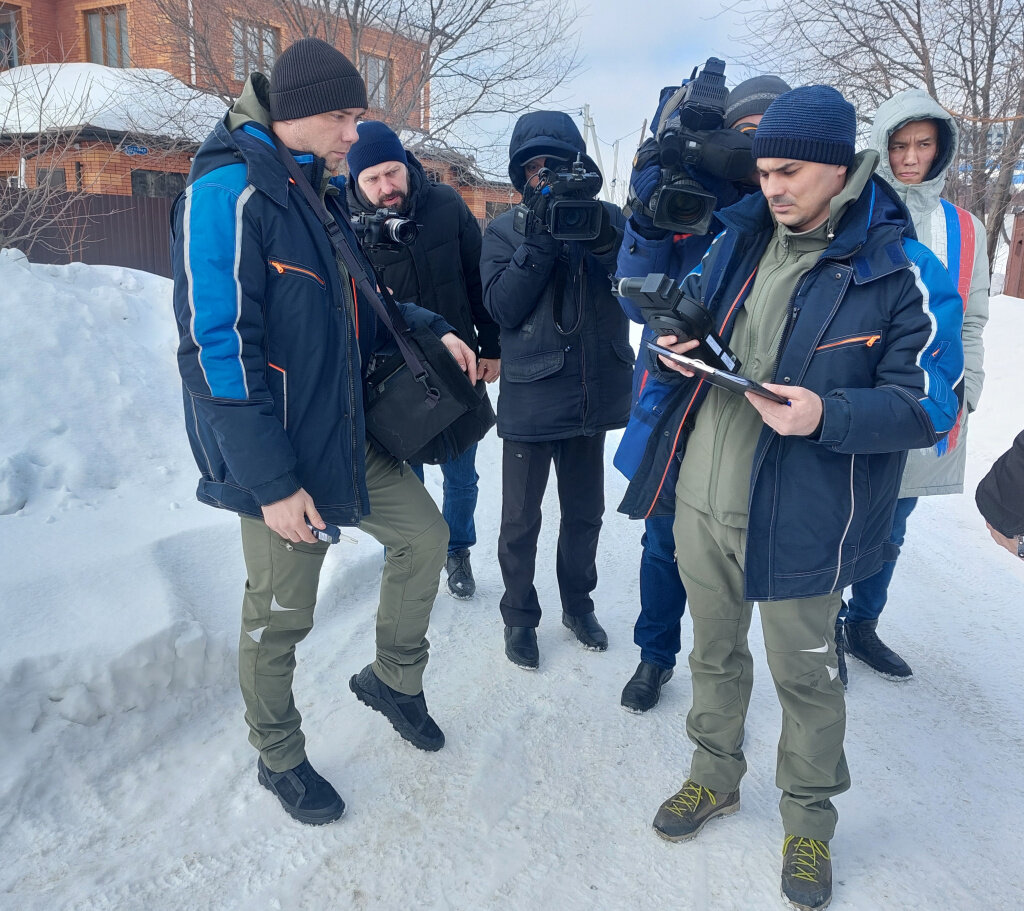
(849, 522)
(284, 388)
(281, 268)
(868, 341)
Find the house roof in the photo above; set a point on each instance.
(65, 97)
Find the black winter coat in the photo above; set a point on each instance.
(1000, 495)
(440, 271)
(566, 359)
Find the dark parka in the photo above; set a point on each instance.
(874, 329)
(273, 342)
(441, 269)
(1000, 495)
(566, 359)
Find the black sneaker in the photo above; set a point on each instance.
(682, 816)
(806, 873)
(586, 628)
(407, 714)
(461, 583)
(863, 643)
(644, 688)
(844, 676)
(305, 795)
(521, 646)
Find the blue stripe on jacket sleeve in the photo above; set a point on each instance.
(212, 228)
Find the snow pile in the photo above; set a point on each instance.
(67, 97)
(126, 780)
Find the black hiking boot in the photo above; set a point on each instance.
(683, 815)
(586, 628)
(521, 646)
(461, 583)
(844, 676)
(863, 643)
(806, 873)
(305, 795)
(407, 714)
(644, 688)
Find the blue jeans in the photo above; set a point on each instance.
(662, 596)
(867, 597)
(460, 493)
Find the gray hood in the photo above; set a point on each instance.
(898, 111)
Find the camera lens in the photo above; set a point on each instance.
(400, 230)
(684, 207)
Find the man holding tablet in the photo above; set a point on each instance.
(826, 302)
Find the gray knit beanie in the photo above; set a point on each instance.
(752, 96)
(310, 78)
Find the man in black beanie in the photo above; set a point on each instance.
(824, 300)
(275, 342)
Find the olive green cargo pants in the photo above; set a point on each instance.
(799, 638)
(280, 595)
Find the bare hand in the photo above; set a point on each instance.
(287, 517)
(462, 353)
(1009, 543)
(489, 369)
(797, 419)
(671, 341)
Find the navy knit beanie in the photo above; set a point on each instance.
(812, 123)
(310, 78)
(377, 143)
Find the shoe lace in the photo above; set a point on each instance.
(689, 798)
(460, 566)
(806, 854)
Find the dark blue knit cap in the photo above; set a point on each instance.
(377, 143)
(812, 123)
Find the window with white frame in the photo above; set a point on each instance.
(8, 39)
(377, 75)
(255, 48)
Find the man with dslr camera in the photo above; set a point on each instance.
(673, 251)
(432, 260)
(566, 365)
(826, 300)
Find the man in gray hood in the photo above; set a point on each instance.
(917, 141)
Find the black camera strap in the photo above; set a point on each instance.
(379, 297)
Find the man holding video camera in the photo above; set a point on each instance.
(818, 293)
(674, 247)
(425, 245)
(566, 365)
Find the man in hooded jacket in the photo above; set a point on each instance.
(439, 270)
(565, 381)
(916, 140)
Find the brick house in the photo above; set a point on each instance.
(225, 43)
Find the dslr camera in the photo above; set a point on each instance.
(690, 136)
(384, 228)
(571, 213)
(667, 311)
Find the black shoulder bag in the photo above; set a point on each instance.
(419, 404)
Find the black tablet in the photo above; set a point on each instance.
(731, 381)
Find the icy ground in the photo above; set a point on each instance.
(126, 781)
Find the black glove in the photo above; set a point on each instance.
(607, 236)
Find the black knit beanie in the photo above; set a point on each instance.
(812, 123)
(753, 96)
(310, 78)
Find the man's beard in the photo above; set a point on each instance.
(401, 206)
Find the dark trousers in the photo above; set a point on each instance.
(662, 596)
(579, 469)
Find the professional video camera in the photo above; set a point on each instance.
(384, 228)
(572, 213)
(690, 136)
(667, 311)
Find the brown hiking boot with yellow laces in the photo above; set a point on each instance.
(681, 817)
(806, 873)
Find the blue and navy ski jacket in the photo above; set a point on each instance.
(273, 346)
(874, 328)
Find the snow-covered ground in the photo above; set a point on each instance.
(126, 781)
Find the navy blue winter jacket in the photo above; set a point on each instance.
(566, 360)
(874, 328)
(273, 348)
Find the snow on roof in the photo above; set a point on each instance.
(63, 97)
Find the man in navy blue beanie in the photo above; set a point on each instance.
(440, 271)
(824, 299)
